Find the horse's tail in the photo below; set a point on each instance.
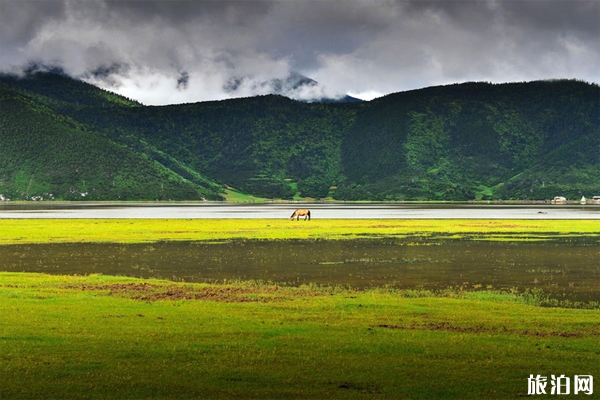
(308, 213)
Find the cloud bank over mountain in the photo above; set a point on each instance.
(172, 51)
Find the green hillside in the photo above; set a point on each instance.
(512, 141)
(459, 142)
(45, 155)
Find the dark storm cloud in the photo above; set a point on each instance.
(19, 22)
(185, 11)
(576, 15)
(177, 51)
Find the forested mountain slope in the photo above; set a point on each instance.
(45, 155)
(524, 140)
(459, 142)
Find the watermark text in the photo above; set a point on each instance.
(560, 384)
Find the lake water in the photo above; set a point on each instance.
(335, 211)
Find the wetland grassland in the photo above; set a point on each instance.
(18, 231)
(99, 336)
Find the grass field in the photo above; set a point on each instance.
(19, 231)
(123, 338)
(108, 337)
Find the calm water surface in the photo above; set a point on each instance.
(336, 211)
(567, 267)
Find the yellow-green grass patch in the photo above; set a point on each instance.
(15, 231)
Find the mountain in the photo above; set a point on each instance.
(46, 154)
(467, 141)
(477, 140)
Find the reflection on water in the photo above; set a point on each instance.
(568, 266)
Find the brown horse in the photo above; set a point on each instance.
(300, 213)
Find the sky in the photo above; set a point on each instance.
(181, 51)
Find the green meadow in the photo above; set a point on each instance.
(20, 231)
(102, 337)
